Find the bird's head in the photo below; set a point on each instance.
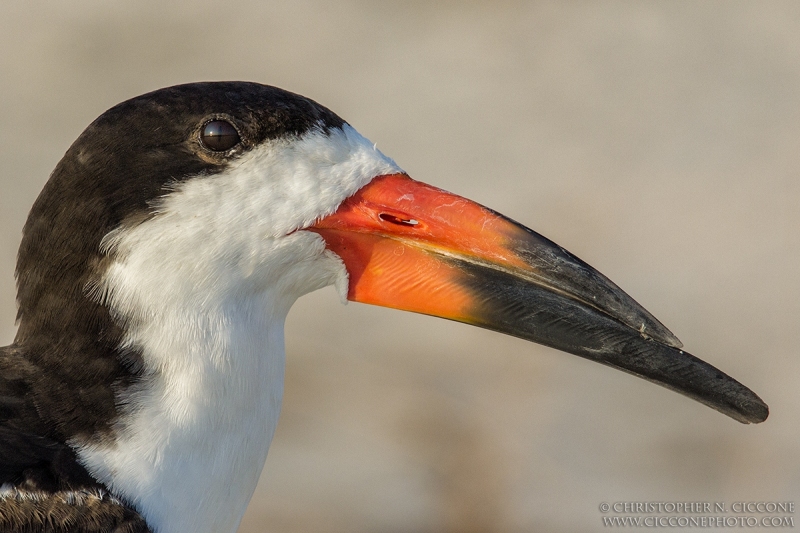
(211, 192)
(162, 257)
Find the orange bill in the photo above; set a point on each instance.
(414, 247)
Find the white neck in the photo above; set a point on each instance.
(190, 453)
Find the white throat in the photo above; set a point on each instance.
(204, 288)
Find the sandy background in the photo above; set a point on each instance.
(659, 141)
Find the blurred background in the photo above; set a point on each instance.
(658, 141)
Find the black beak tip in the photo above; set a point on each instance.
(693, 377)
(760, 413)
(751, 410)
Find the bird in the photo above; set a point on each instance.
(156, 270)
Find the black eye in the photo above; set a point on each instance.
(219, 136)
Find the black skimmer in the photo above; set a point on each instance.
(159, 263)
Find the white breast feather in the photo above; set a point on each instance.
(204, 288)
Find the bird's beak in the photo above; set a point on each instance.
(414, 247)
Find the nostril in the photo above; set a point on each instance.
(397, 220)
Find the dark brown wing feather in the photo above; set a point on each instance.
(67, 512)
(43, 487)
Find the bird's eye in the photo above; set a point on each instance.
(219, 136)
